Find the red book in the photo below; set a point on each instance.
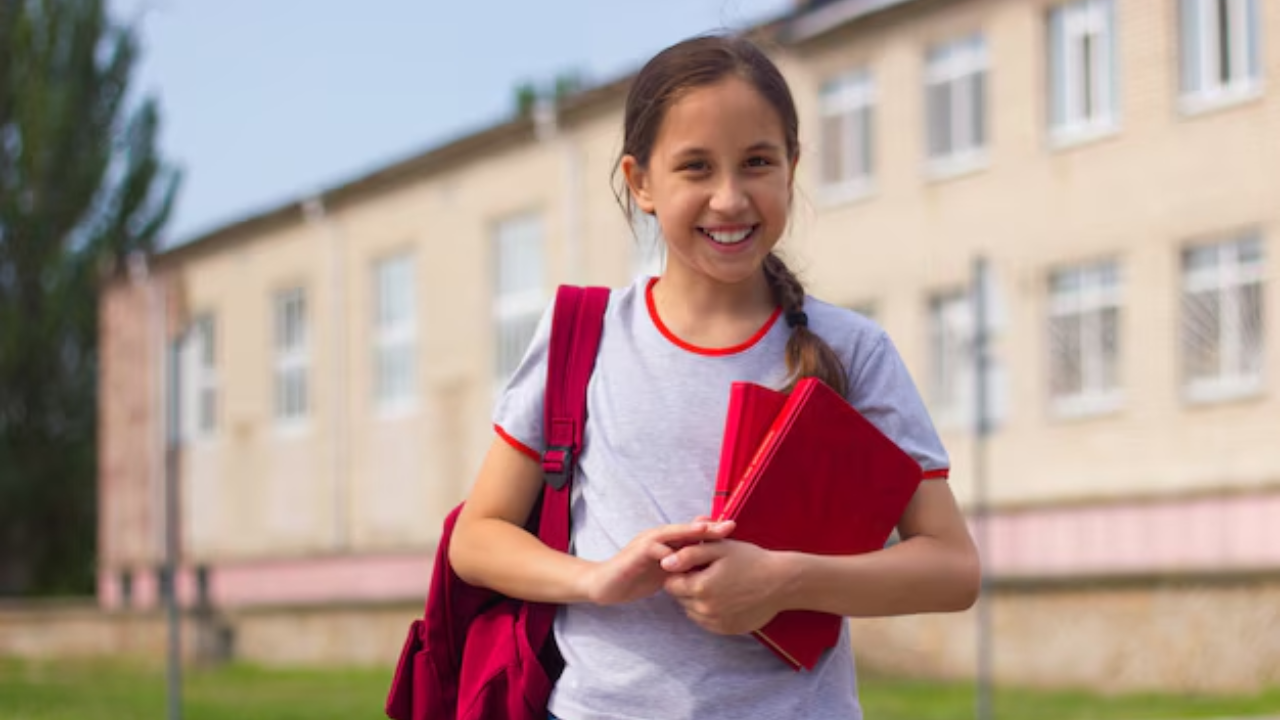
(752, 409)
(823, 481)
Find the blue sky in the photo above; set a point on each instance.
(265, 100)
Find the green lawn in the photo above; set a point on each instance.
(106, 691)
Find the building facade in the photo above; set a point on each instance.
(1115, 162)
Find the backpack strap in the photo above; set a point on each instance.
(576, 328)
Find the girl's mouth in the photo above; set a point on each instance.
(730, 235)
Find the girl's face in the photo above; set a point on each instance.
(718, 179)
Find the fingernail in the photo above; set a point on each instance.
(669, 562)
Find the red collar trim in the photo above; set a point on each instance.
(714, 352)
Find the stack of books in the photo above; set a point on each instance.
(806, 472)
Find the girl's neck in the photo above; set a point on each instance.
(703, 296)
(709, 313)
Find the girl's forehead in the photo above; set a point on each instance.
(727, 113)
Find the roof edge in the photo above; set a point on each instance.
(792, 27)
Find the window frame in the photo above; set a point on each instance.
(954, 64)
(1098, 288)
(395, 334)
(291, 358)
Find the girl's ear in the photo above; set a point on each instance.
(638, 183)
(791, 171)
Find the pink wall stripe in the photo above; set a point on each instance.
(1212, 534)
(1201, 535)
(348, 578)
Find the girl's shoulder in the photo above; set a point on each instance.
(840, 325)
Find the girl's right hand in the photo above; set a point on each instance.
(636, 571)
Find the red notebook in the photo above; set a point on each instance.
(824, 481)
(752, 409)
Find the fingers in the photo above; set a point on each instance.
(689, 533)
(681, 587)
(657, 551)
(693, 556)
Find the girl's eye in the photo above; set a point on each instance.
(695, 166)
(759, 161)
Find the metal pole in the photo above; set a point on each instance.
(169, 575)
(982, 428)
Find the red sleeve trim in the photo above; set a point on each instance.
(517, 444)
(939, 474)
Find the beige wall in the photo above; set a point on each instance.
(352, 480)
(1163, 179)
(362, 479)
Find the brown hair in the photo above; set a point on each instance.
(702, 61)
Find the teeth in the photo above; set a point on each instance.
(729, 238)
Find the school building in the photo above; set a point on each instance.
(1117, 163)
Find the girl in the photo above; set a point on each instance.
(710, 148)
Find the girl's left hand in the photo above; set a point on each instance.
(738, 589)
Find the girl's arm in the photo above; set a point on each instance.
(491, 548)
(934, 569)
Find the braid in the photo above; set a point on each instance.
(808, 355)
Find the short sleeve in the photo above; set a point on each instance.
(882, 390)
(517, 418)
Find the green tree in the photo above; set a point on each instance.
(527, 93)
(81, 187)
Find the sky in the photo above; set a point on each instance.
(265, 101)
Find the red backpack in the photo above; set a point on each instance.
(476, 654)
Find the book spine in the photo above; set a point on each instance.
(777, 649)
(766, 449)
(738, 492)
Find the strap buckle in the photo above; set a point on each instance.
(557, 465)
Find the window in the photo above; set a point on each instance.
(1082, 62)
(519, 299)
(1222, 318)
(200, 414)
(847, 106)
(952, 389)
(650, 251)
(955, 98)
(1084, 339)
(395, 331)
(1221, 54)
(291, 356)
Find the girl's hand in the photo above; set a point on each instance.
(635, 572)
(739, 589)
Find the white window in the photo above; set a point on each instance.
(1084, 339)
(292, 356)
(1082, 63)
(519, 296)
(952, 386)
(650, 252)
(395, 335)
(955, 98)
(1221, 51)
(199, 359)
(1222, 318)
(847, 106)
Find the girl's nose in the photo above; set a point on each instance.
(728, 197)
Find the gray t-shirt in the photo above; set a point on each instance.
(656, 409)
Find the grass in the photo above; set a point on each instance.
(894, 699)
(119, 691)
